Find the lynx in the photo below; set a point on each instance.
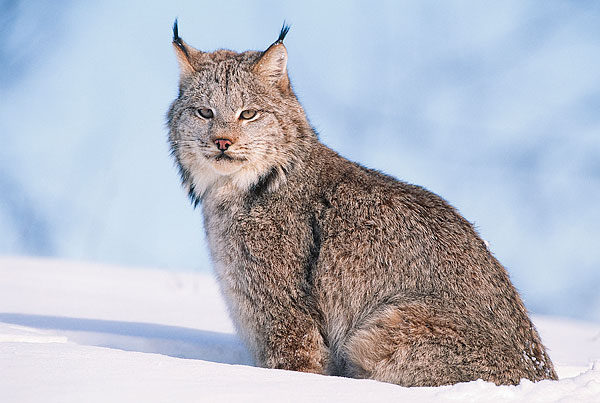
(327, 266)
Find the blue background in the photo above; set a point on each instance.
(493, 105)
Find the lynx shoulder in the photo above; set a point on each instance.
(327, 266)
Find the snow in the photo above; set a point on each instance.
(72, 332)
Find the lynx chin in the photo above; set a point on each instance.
(327, 266)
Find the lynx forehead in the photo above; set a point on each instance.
(327, 266)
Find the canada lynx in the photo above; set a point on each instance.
(327, 266)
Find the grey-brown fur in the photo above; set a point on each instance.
(327, 266)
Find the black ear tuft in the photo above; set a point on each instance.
(177, 40)
(284, 30)
(175, 31)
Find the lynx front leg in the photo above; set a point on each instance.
(293, 345)
(279, 333)
(262, 264)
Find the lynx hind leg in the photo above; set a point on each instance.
(417, 345)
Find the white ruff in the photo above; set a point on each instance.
(206, 176)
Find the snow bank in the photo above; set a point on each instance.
(72, 332)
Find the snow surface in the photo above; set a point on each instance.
(73, 332)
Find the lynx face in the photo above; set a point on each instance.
(229, 122)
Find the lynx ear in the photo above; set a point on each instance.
(187, 56)
(272, 64)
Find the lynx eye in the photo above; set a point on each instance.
(248, 114)
(205, 113)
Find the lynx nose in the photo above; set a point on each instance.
(223, 144)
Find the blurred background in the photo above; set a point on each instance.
(493, 105)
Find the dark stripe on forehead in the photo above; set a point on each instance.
(227, 81)
(222, 75)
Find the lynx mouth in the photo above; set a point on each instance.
(227, 158)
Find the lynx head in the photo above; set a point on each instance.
(236, 121)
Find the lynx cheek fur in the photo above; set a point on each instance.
(327, 266)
